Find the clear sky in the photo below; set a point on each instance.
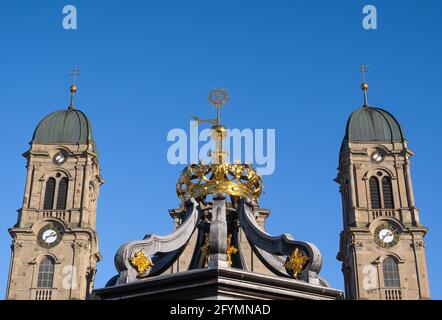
(147, 66)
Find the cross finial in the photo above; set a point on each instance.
(74, 73)
(217, 98)
(364, 86)
(363, 69)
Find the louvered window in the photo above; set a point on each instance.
(62, 194)
(375, 194)
(387, 192)
(49, 194)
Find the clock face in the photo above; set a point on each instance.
(377, 157)
(60, 157)
(49, 236)
(386, 235)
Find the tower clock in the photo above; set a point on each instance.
(55, 246)
(382, 242)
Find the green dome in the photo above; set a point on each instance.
(64, 126)
(373, 124)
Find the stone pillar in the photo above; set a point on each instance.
(218, 233)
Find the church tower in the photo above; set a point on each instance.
(381, 246)
(55, 245)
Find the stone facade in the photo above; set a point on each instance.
(363, 212)
(74, 257)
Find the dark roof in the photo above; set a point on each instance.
(373, 124)
(64, 126)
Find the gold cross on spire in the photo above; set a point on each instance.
(74, 73)
(363, 69)
(364, 86)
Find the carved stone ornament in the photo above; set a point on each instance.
(357, 244)
(418, 244)
(81, 245)
(16, 244)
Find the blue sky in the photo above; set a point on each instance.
(147, 66)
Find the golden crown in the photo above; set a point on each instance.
(198, 180)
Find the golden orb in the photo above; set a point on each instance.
(218, 132)
(364, 86)
(73, 88)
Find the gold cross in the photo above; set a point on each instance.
(363, 69)
(74, 73)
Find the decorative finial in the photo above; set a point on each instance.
(74, 73)
(217, 98)
(364, 86)
(198, 180)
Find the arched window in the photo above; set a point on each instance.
(391, 273)
(62, 194)
(49, 195)
(45, 273)
(375, 193)
(387, 192)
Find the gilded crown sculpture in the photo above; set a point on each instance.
(199, 180)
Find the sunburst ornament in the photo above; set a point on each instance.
(218, 97)
(296, 262)
(140, 262)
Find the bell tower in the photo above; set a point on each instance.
(54, 249)
(381, 246)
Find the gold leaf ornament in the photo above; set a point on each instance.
(230, 249)
(140, 262)
(296, 262)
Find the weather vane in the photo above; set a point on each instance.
(74, 73)
(217, 98)
(364, 86)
